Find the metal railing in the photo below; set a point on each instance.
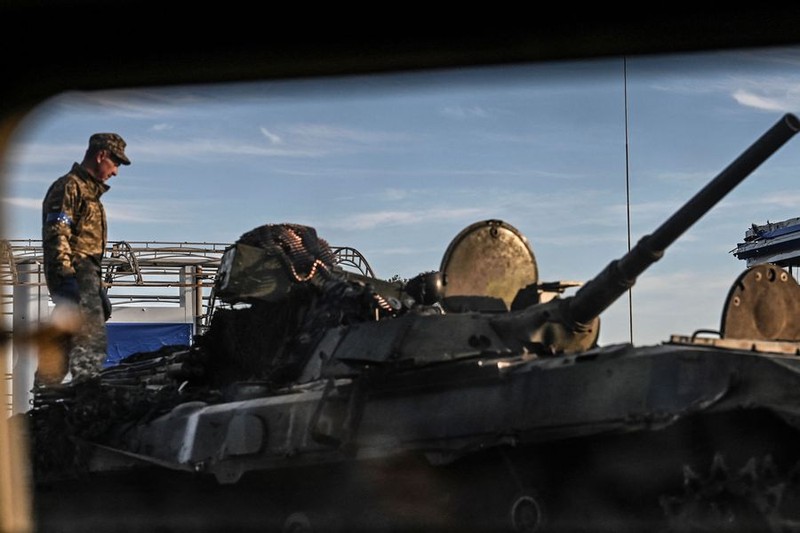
(143, 273)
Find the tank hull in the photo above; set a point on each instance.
(600, 441)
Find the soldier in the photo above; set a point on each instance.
(74, 237)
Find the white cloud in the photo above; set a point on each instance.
(397, 194)
(461, 112)
(766, 93)
(137, 104)
(297, 141)
(331, 133)
(764, 102)
(365, 221)
(200, 147)
(146, 212)
(687, 177)
(789, 199)
(149, 212)
(271, 137)
(44, 154)
(24, 203)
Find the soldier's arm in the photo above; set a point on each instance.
(61, 209)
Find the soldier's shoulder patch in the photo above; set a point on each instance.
(58, 218)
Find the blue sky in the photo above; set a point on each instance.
(397, 165)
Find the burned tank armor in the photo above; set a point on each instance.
(349, 402)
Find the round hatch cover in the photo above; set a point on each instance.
(763, 303)
(489, 258)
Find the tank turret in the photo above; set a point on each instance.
(571, 325)
(559, 326)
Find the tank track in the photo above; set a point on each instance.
(757, 497)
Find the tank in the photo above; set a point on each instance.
(472, 397)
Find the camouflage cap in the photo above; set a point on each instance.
(111, 142)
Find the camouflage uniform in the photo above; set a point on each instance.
(74, 236)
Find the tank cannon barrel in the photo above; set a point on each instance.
(603, 290)
(571, 324)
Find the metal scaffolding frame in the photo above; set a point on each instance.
(138, 274)
(136, 271)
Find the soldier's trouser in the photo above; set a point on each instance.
(89, 345)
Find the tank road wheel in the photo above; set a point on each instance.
(310, 522)
(499, 493)
(504, 511)
(526, 514)
(297, 523)
(750, 499)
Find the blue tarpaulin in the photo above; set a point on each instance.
(126, 339)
